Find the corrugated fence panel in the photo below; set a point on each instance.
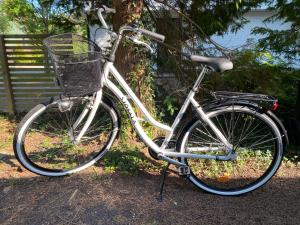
(31, 75)
(3, 100)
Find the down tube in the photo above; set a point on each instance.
(135, 99)
(133, 117)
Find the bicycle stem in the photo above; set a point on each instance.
(115, 47)
(101, 18)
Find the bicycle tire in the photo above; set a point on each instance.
(43, 145)
(221, 177)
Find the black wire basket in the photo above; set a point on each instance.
(78, 64)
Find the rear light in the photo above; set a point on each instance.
(275, 105)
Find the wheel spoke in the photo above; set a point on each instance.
(255, 142)
(48, 141)
(258, 143)
(47, 133)
(208, 135)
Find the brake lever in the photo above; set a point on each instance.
(136, 40)
(145, 45)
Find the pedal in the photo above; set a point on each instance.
(184, 171)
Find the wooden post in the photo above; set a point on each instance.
(47, 60)
(6, 77)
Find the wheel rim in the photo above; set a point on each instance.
(257, 159)
(46, 145)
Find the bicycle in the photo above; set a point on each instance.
(228, 138)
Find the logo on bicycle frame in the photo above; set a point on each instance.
(129, 110)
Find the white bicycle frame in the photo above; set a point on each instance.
(162, 152)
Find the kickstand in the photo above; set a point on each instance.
(162, 182)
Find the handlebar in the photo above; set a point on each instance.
(157, 37)
(88, 9)
(107, 9)
(103, 8)
(152, 35)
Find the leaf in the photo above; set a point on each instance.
(237, 5)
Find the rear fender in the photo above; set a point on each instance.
(218, 104)
(282, 129)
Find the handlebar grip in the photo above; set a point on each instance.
(153, 35)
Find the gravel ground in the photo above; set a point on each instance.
(92, 197)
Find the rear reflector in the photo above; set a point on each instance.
(275, 105)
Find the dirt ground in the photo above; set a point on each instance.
(93, 197)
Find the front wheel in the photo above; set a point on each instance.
(44, 142)
(256, 141)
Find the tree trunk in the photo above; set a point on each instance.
(130, 63)
(127, 12)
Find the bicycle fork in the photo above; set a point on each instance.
(93, 109)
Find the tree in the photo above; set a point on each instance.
(285, 43)
(130, 61)
(4, 22)
(188, 26)
(225, 13)
(282, 42)
(39, 16)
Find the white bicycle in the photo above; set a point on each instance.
(232, 146)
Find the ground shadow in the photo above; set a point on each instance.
(9, 160)
(120, 199)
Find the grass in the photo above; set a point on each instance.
(128, 160)
(5, 143)
(125, 158)
(252, 163)
(6, 132)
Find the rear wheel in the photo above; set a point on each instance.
(256, 141)
(44, 141)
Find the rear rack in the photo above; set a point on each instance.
(264, 101)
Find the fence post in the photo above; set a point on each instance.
(6, 77)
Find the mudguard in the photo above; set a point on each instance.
(255, 106)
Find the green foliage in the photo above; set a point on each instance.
(282, 41)
(170, 103)
(41, 16)
(127, 159)
(259, 72)
(4, 22)
(224, 14)
(286, 43)
(196, 20)
(258, 159)
(20, 11)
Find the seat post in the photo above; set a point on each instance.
(199, 79)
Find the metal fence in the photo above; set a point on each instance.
(26, 77)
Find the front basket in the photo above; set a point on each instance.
(77, 62)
